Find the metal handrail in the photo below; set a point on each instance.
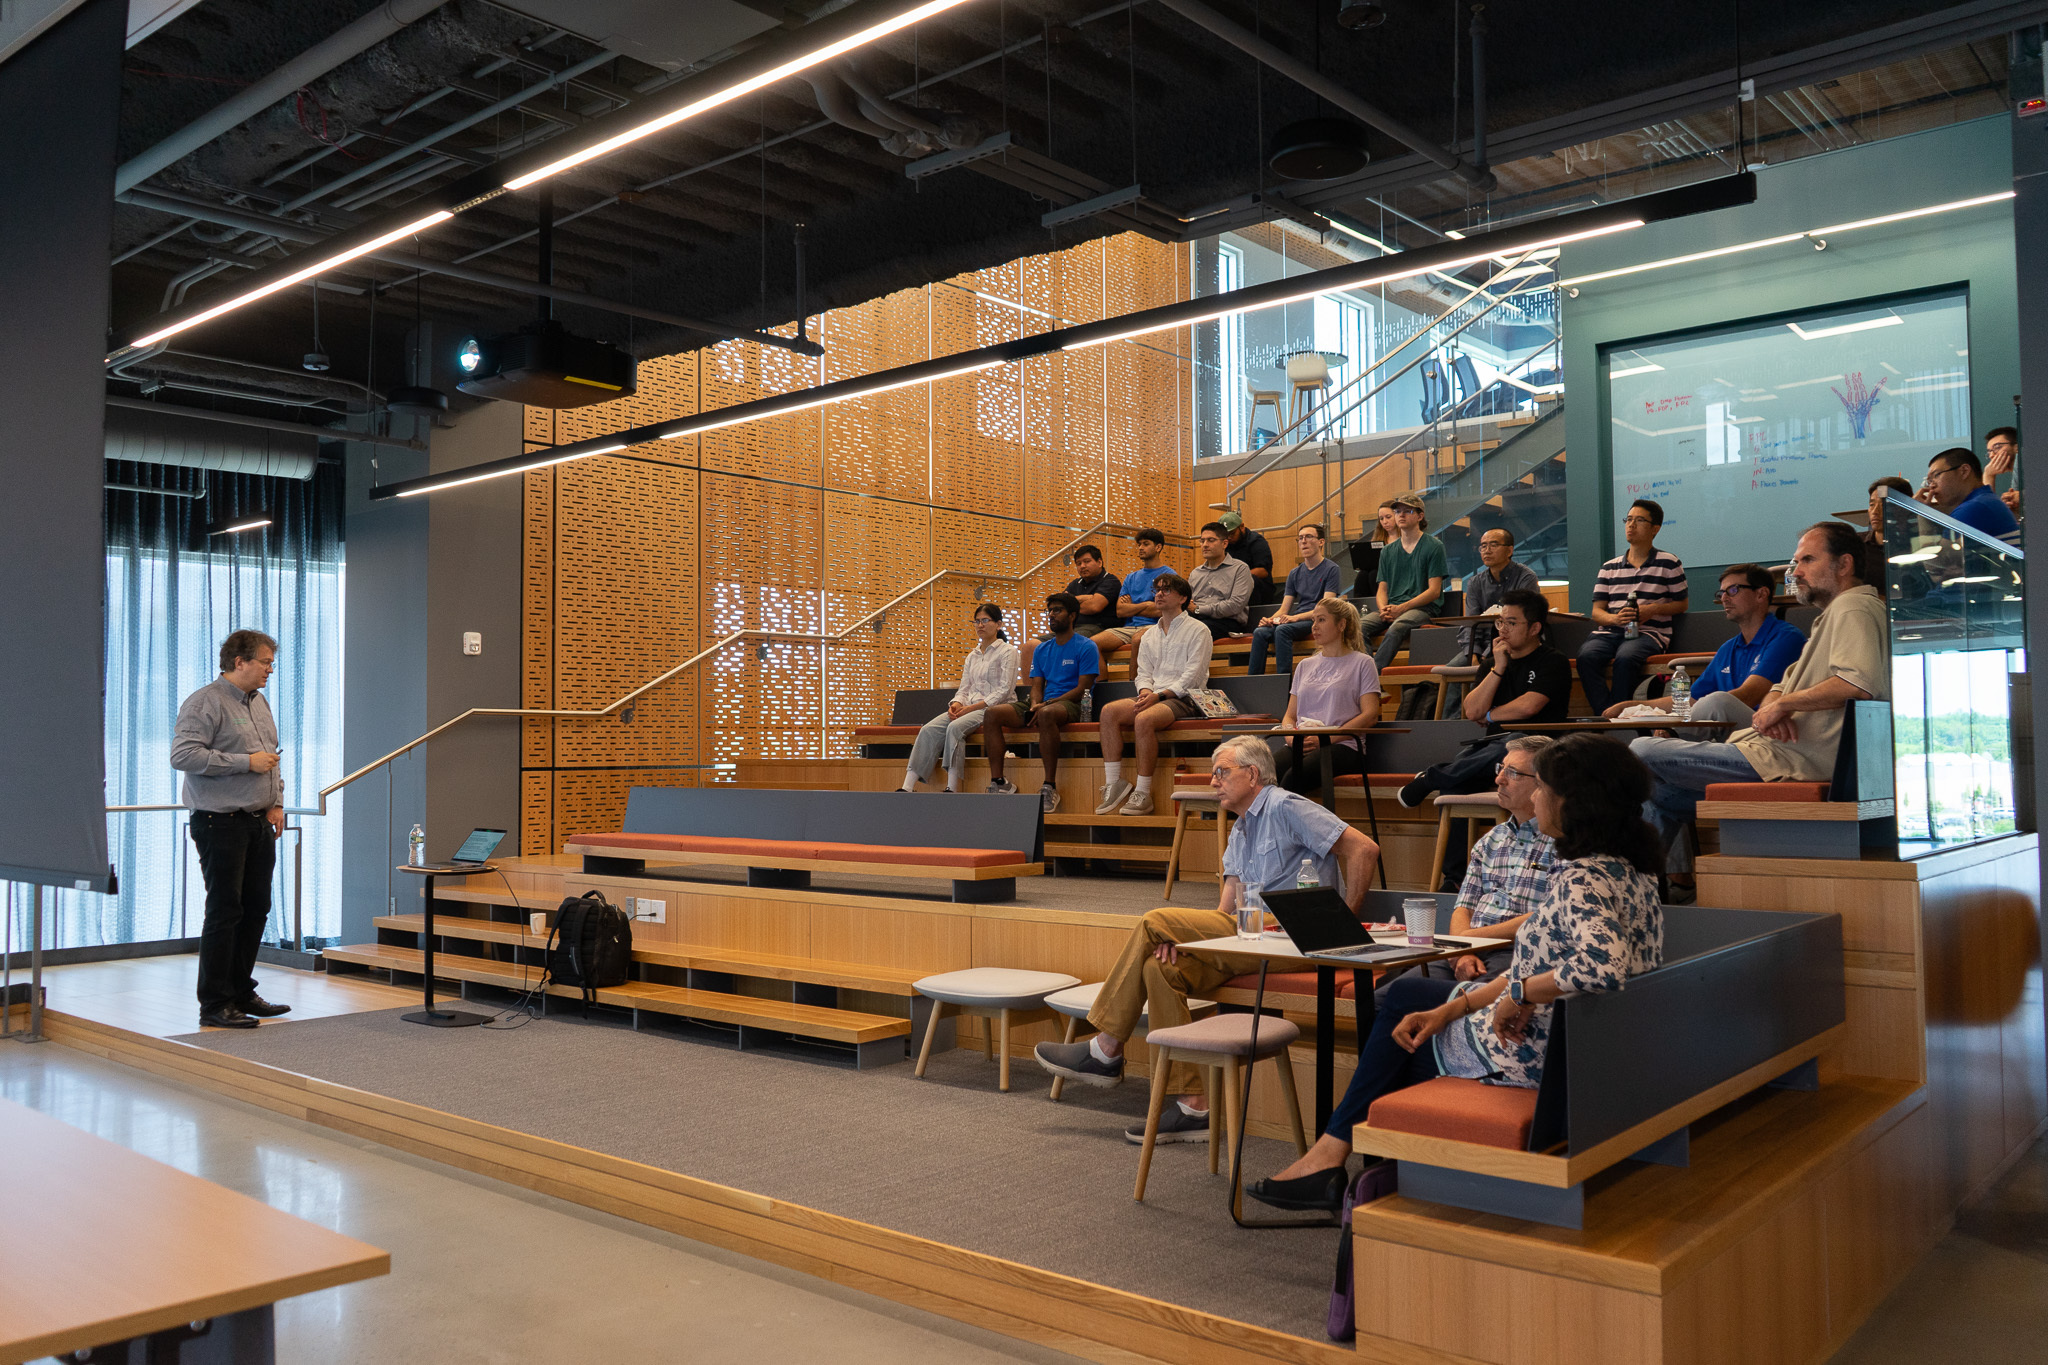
(788, 637)
(1322, 409)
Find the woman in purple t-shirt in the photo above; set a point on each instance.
(1336, 688)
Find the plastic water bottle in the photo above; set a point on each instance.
(1681, 693)
(1306, 878)
(1635, 623)
(416, 847)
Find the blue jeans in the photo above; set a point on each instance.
(1397, 630)
(1281, 638)
(1681, 770)
(1628, 656)
(1383, 1064)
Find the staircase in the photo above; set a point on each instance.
(1518, 484)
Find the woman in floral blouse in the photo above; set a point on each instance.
(1599, 925)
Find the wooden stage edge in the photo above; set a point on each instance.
(1021, 1301)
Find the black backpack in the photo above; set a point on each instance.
(591, 946)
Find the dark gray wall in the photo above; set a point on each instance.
(59, 102)
(2030, 237)
(1971, 246)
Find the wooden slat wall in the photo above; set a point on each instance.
(809, 522)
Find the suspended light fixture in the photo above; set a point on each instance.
(1318, 149)
(252, 520)
(1360, 14)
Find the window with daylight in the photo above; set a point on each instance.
(1236, 399)
(1344, 326)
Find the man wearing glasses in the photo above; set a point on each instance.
(1638, 590)
(1276, 831)
(1498, 576)
(1308, 583)
(225, 743)
(1749, 663)
(1955, 479)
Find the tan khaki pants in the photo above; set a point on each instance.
(1139, 983)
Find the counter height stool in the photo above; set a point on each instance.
(1468, 807)
(1075, 1001)
(1005, 994)
(1221, 1044)
(1188, 802)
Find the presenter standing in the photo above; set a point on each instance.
(226, 745)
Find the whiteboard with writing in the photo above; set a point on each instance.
(1751, 433)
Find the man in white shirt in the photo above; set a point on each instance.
(1173, 660)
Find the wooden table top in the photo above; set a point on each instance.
(103, 1244)
(1586, 723)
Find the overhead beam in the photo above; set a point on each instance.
(236, 419)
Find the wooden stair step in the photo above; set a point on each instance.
(782, 1016)
(1123, 853)
(767, 966)
(1112, 821)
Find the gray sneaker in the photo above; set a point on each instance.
(1139, 804)
(1048, 797)
(1078, 1062)
(1003, 786)
(1114, 794)
(1175, 1125)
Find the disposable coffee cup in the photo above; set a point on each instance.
(1420, 912)
(539, 920)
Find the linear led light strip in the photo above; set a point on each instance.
(319, 267)
(745, 87)
(1819, 232)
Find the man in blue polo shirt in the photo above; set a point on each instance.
(1063, 668)
(1131, 606)
(1956, 478)
(1750, 662)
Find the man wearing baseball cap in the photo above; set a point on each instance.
(1249, 548)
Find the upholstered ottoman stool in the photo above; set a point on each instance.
(1005, 994)
(1221, 1043)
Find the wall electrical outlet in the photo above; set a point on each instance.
(650, 910)
(472, 642)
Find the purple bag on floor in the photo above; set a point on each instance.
(1374, 1182)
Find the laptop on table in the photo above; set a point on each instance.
(1322, 926)
(474, 855)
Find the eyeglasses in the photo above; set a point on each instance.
(1502, 769)
(1730, 592)
(1225, 769)
(1637, 521)
(1945, 469)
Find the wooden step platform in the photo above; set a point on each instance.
(872, 1034)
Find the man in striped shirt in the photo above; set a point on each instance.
(1644, 587)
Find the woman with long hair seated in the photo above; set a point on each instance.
(1337, 688)
(1599, 924)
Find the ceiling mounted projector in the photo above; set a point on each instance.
(1318, 149)
(543, 366)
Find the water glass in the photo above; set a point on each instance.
(1420, 912)
(1251, 915)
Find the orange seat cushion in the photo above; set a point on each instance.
(774, 850)
(1459, 1109)
(1291, 983)
(1407, 671)
(1767, 791)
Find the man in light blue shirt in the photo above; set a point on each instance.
(1133, 618)
(1275, 832)
(1308, 583)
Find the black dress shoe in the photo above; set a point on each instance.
(1317, 1191)
(261, 1008)
(227, 1016)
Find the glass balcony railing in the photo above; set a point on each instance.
(1957, 601)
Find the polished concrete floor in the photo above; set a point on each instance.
(485, 1272)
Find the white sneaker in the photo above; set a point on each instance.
(1003, 786)
(1113, 795)
(1139, 804)
(1048, 798)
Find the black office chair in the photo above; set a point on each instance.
(1436, 389)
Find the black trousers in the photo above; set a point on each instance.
(237, 853)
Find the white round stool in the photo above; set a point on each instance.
(1006, 994)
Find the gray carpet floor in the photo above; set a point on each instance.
(1104, 895)
(949, 1158)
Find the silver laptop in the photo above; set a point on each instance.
(475, 853)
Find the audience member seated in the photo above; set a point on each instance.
(1173, 661)
(1222, 585)
(1063, 668)
(1308, 583)
(1794, 732)
(1749, 662)
(1955, 478)
(988, 677)
(1498, 576)
(1412, 569)
(1275, 831)
(1365, 553)
(1641, 588)
(1528, 681)
(1874, 553)
(1598, 924)
(1337, 688)
(1134, 606)
(1096, 590)
(2001, 457)
(1250, 549)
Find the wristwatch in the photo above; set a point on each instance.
(1515, 990)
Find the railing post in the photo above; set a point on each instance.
(35, 970)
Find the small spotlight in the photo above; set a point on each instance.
(1358, 14)
(470, 356)
(316, 361)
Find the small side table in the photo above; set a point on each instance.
(430, 1016)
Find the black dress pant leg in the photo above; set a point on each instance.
(236, 857)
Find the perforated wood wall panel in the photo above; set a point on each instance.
(810, 523)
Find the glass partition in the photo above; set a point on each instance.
(1957, 607)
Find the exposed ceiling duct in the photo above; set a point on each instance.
(197, 443)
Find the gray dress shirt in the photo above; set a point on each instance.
(219, 726)
(1483, 590)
